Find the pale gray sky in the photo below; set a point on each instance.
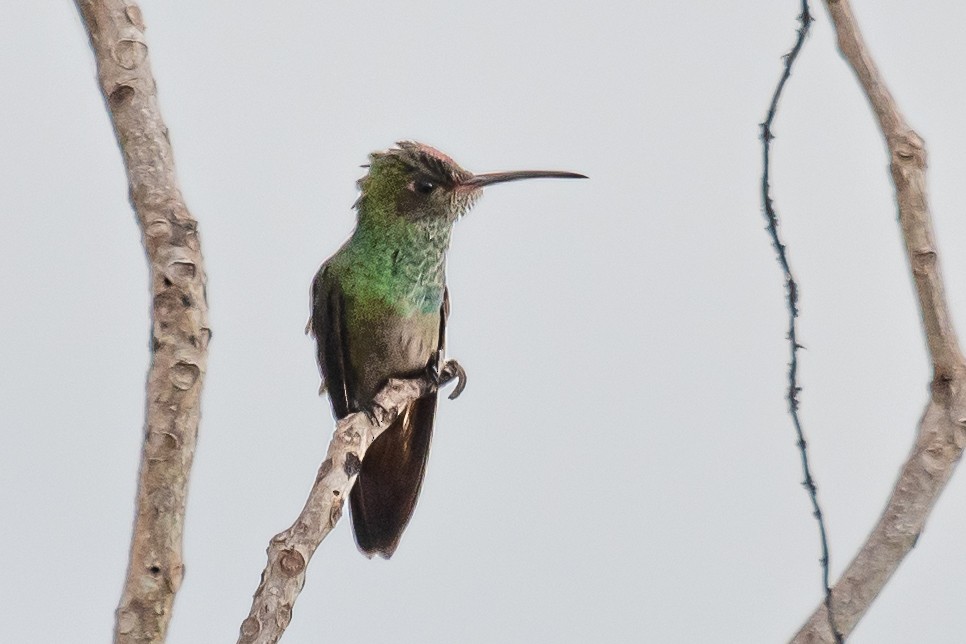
(621, 467)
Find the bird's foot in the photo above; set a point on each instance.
(377, 414)
(452, 370)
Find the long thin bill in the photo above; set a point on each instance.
(480, 180)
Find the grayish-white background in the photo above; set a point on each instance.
(621, 467)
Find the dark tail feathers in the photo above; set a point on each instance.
(385, 493)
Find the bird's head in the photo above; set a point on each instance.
(418, 182)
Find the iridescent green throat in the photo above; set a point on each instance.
(395, 261)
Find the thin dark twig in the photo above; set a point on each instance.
(791, 291)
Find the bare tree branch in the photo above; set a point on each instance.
(942, 429)
(180, 333)
(289, 552)
(791, 299)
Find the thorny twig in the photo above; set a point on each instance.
(791, 291)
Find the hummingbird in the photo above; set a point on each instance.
(379, 307)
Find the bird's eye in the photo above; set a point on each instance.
(423, 187)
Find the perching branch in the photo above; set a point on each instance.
(791, 298)
(180, 333)
(942, 429)
(289, 552)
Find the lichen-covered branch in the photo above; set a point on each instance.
(941, 433)
(180, 333)
(289, 552)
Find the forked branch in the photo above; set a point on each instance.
(941, 433)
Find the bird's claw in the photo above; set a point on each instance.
(452, 370)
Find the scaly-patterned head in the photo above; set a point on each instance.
(419, 183)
